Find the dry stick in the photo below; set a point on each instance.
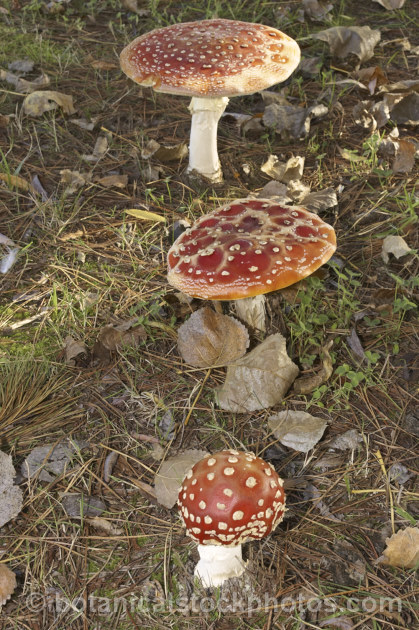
(390, 496)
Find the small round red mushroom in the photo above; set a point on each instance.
(210, 60)
(226, 499)
(247, 248)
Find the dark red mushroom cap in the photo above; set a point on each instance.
(229, 497)
(211, 58)
(249, 247)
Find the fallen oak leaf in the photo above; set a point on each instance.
(38, 103)
(306, 384)
(402, 549)
(210, 339)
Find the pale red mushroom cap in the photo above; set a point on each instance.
(249, 247)
(211, 58)
(230, 497)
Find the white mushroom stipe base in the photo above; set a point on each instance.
(210, 60)
(218, 564)
(203, 154)
(224, 500)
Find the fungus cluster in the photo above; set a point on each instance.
(210, 60)
(226, 499)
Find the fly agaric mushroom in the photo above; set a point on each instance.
(226, 499)
(210, 60)
(247, 248)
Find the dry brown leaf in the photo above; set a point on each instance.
(395, 245)
(102, 523)
(260, 379)
(316, 10)
(132, 5)
(405, 157)
(402, 549)
(306, 384)
(320, 200)
(404, 108)
(97, 64)
(7, 584)
(73, 349)
(14, 181)
(113, 337)
(171, 474)
(74, 180)
(350, 40)
(163, 153)
(118, 181)
(391, 5)
(297, 429)
(22, 85)
(209, 339)
(284, 171)
(292, 123)
(38, 103)
(372, 77)
(11, 497)
(99, 150)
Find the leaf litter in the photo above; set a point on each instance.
(11, 496)
(171, 474)
(209, 339)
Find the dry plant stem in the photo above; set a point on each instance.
(252, 311)
(217, 564)
(203, 155)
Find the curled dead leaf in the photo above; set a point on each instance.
(209, 339)
(7, 584)
(292, 123)
(260, 379)
(109, 181)
(22, 85)
(284, 171)
(306, 384)
(350, 40)
(395, 245)
(391, 5)
(38, 103)
(402, 549)
(114, 337)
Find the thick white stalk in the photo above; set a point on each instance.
(203, 155)
(252, 311)
(217, 564)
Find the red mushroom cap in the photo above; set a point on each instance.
(249, 247)
(211, 58)
(230, 497)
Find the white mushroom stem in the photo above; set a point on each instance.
(252, 311)
(203, 155)
(217, 564)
